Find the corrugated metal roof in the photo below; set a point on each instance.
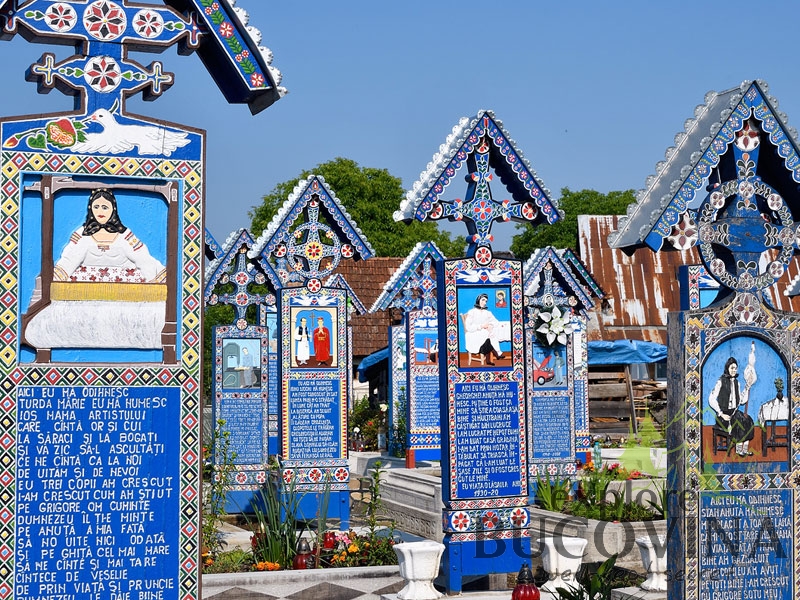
(642, 287)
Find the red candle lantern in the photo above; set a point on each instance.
(525, 589)
(303, 559)
(329, 540)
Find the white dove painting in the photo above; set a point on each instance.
(117, 138)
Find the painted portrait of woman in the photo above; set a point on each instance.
(103, 249)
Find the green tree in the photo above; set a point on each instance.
(564, 233)
(370, 196)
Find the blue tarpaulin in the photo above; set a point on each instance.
(370, 361)
(626, 352)
(618, 352)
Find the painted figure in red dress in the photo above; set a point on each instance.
(322, 344)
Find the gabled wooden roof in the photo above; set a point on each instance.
(366, 278)
(406, 272)
(679, 182)
(571, 276)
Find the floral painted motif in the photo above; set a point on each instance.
(61, 17)
(60, 133)
(460, 521)
(104, 21)
(483, 255)
(684, 233)
(490, 519)
(148, 24)
(519, 517)
(102, 74)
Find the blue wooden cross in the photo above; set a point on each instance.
(101, 75)
(485, 146)
(736, 235)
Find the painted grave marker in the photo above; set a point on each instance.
(245, 368)
(305, 242)
(482, 375)
(734, 380)
(559, 293)
(415, 375)
(101, 255)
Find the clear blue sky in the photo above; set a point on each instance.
(593, 93)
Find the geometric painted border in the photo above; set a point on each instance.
(313, 474)
(577, 375)
(419, 438)
(244, 476)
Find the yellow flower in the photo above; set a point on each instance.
(352, 548)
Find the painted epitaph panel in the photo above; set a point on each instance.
(732, 428)
(398, 384)
(241, 386)
(423, 416)
(315, 379)
(94, 479)
(412, 287)
(484, 454)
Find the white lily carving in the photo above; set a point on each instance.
(557, 325)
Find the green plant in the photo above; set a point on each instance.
(593, 483)
(592, 585)
(231, 561)
(379, 551)
(660, 504)
(617, 506)
(215, 490)
(375, 546)
(276, 534)
(616, 510)
(364, 421)
(552, 494)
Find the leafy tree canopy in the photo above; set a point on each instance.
(564, 233)
(370, 196)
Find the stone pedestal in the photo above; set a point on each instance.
(419, 566)
(561, 559)
(654, 560)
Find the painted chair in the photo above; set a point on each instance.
(721, 440)
(774, 437)
(471, 355)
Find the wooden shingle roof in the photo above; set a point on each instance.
(367, 278)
